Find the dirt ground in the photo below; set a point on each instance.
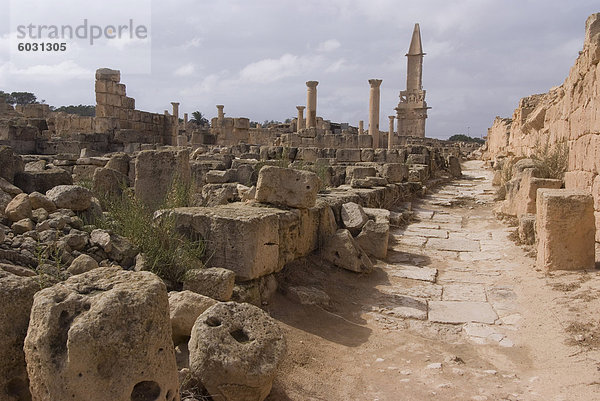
(457, 311)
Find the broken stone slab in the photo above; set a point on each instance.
(424, 232)
(527, 229)
(82, 264)
(216, 283)
(18, 208)
(236, 351)
(219, 176)
(343, 251)
(39, 200)
(413, 272)
(308, 295)
(454, 167)
(287, 187)
(408, 308)
(455, 245)
(353, 217)
(11, 164)
(108, 182)
(9, 188)
(395, 172)
(457, 312)
(184, 308)
(102, 335)
(565, 229)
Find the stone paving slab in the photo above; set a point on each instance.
(408, 308)
(413, 272)
(464, 292)
(457, 312)
(409, 240)
(426, 232)
(415, 289)
(457, 245)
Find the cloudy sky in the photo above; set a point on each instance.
(255, 56)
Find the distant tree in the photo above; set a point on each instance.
(253, 124)
(81, 110)
(266, 123)
(199, 119)
(21, 98)
(288, 120)
(465, 138)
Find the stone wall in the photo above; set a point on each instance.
(569, 113)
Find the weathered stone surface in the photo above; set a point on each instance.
(353, 217)
(18, 208)
(287, 187)
(184, 308)
(308, 295)
(16, 298)
(82, 264)
(457, 312)
(22, 226)
(395, 172)
(39, 200)
(118, 248)
(565, 229)
(119, 162)
(527, 229)
(72, 197)
(218, 176)
(464, 292)
(102, 335)
(235, 351)
(373, 239)
(454, 167)
(10, 164)
(343, 251)
(214, 282)
(239, 238)
(109, 182)
(9, 188)
(456, 245)
(42, 181)
(413, 272)
(157, 171)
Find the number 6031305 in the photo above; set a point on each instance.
(42, 47)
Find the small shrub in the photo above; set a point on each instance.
(169, 253)
(551, 161)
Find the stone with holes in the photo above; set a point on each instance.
(235, 351)
(102, 335)
(16, 297)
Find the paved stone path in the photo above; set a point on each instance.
(448, 265)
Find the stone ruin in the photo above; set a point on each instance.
(263, 198)
(558, 127)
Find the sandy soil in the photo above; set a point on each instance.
(488, 327)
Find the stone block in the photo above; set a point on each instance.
(287, 187)
(342, 251)
(527, 229)
(395, 172)
(348, 155)
(565, 230)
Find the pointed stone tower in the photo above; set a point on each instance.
(412, 109)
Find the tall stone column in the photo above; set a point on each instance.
(175, 131)
(220, 114)
(300, 123)
(311, 104)
(374, 111)
(361, 127)
(185, 121)
(391, 132)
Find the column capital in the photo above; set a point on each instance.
(300, 108)
(220, 106)
(175, 103)
(312, 84)
(391, 117)
(375, 83)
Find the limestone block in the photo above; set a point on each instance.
(102, 335)
(235, 351)
(84, 172)
(342, 251)
(348, 155)
(156, 171)
(454, 167)
(359, 172)
(72, 197)
(119, 162)
(109, 182)
(9, 188)
(418, 173)
(308, 154)
(395, 172)
(583, 180)
(219, 176)
(107, 74)
(239, 238)
(373, 238)
(216, 283)
(18, 208)
(184, 308)
(22, 226)
(527, 229)
(10, 164)
(367, 155)
(16, 298)
(565, 229)
(287, 187)
(353, 217)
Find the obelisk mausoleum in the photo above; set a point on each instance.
(412, 109)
